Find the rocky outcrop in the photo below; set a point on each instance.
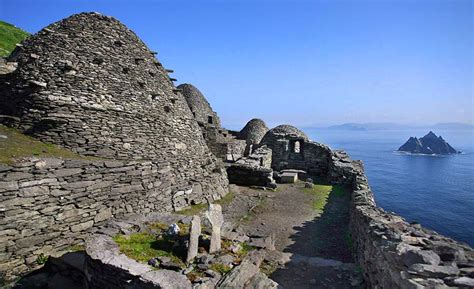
(429, 144)
(108, 268)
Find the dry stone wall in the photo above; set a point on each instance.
(254, 170)
(293, 150)
(90, 84)
(48, 205)
(392, 252)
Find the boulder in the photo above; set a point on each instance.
(239, 276)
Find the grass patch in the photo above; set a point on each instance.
(199, 208)
(221, 268)
(226, 199)
(42, 259)
(322, 192)
(144, 246)
(159, 226)
(77, 248)
(17, 145)
(245, 249)
(193, 210)
(9, 37)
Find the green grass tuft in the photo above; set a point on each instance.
(9, 37)
(144, 246)
(193, 210)
(227, 199)
(199, 208)
(221, 268)
(17, 145)
(246, 248)
(322, 192)
(42, 259)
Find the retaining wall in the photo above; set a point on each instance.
(392, 252)
(49, 205)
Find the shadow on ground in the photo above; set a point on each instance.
(322, 250)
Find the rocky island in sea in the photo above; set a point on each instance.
(429, 144)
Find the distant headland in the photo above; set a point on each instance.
(429, 144)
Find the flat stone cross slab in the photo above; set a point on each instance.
(194, 234)
(215, 217)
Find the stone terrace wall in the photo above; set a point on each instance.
(392, 252)
(48, 205)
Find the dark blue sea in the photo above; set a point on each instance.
(436, 191)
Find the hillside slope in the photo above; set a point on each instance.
(9, 37)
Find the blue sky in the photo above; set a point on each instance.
(302, 62)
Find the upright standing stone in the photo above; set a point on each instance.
(215, 217)
(194, 234)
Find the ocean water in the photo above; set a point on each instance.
(436, 191)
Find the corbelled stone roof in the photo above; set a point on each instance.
(283, 131)
(90, 84)
(199, 106)
(253, 131)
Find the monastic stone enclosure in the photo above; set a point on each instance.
(291, 149)
(222, 143)
(253, 133)
(90, 84)
(200, 107)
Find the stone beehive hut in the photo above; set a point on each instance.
(253, 131)
(292, 149)
(200, 107)
(89, 84)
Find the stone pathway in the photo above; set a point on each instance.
(316, 246)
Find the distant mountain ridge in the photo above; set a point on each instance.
(429, 144)
(393, 126)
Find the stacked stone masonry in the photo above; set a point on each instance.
(291, 149)
(254, 170)
(392, 252)
(48, 205)
(90, 84)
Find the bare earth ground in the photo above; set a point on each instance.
(317, 244)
